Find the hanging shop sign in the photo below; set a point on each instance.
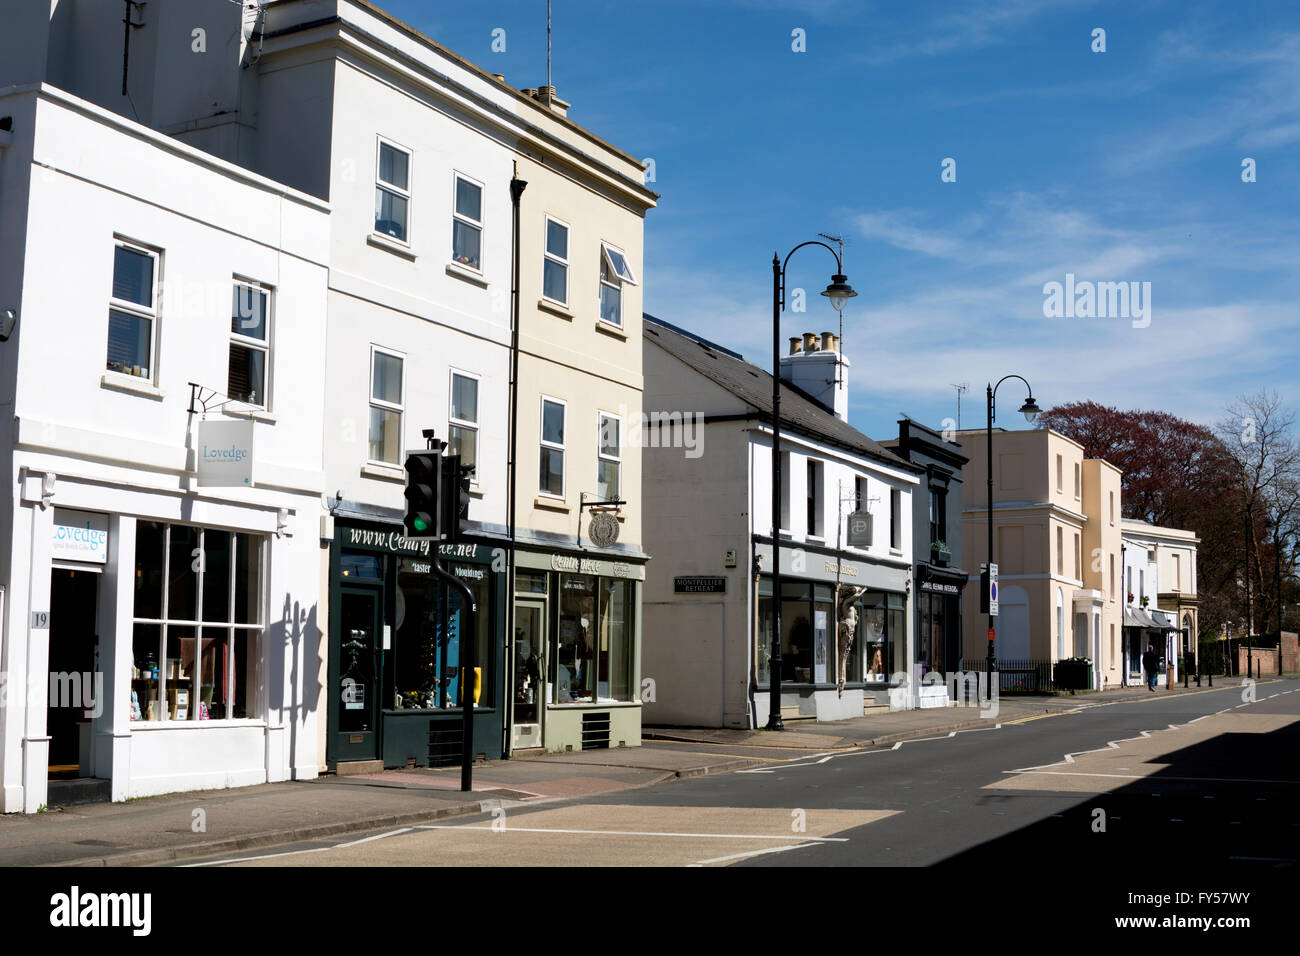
(79, 536)
(225, 453)
(603, 529)
(860, 529)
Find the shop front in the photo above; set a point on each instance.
(396, 681)
(938, 634)
(876, 664)
(161, 636)
(575, 673)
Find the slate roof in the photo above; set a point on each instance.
(800, 412)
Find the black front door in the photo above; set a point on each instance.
(75, 678)
(359, 670)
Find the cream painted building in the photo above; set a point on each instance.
(1057, 547)
(576, 648)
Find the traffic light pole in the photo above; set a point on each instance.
(468, 633)
(434, 502)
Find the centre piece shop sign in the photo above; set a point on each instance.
(225, 454)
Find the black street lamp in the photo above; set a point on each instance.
(1030, 410)
(1276, 528)
(839, 292)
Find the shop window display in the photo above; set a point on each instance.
(594, 644)
(197, 623)
(424, 666)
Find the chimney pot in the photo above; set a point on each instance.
(796, 345)
(829, 344)
(810, 341)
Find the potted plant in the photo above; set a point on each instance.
(1130, 597)
(939, 552)
(1145, 600)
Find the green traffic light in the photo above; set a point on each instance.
(420, 524)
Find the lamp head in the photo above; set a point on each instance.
(1030, 410)
(839, 291)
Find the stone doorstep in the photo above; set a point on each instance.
(347, 768)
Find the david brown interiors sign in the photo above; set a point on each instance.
(225, 454)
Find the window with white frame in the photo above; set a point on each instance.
(467, 223)
(133, 310)
(614, 272)
(609, 463)
(392, 191)
(385, 405)
(462, 426)
(814, 490)
(197, 623)
(551, 470)
(896, 519)
(248, 371)
(555, 265)
(784, 465)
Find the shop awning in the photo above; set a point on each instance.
(1141, 617)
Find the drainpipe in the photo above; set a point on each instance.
(516, 191)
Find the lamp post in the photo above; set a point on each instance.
(1030, 410)
(839, 292)
(1276, 528)
(1250, 664)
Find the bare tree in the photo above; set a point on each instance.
(1260, 440)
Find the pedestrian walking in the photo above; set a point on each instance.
(1151, 664)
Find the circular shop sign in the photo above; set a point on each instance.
(603, 530)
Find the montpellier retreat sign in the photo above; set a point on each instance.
(699, 585)
(225, 453)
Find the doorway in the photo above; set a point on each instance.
(76, 684)
(360, 665)
(529, 673)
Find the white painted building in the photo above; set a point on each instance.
(1160, 603)
(707, 448)
(147, 278)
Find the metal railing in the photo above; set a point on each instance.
(1018, 675)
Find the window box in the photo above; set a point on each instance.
(940, 554)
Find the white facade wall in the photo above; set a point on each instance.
(87, 439)
(699, 647)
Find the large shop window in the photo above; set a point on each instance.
(197, 623)
(424, 667)
(878, 645)
(807, 632)
(593, 647)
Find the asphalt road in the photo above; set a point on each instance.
(1204, 778)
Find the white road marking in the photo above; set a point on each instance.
(1156, 777)
(741, 856)
(649, 833)
(315, 849)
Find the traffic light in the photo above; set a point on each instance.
(423, 477)
(455, 497)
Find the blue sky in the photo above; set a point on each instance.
(1122, 166)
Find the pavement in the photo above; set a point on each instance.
(178, 827)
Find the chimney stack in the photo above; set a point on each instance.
(816, 365)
